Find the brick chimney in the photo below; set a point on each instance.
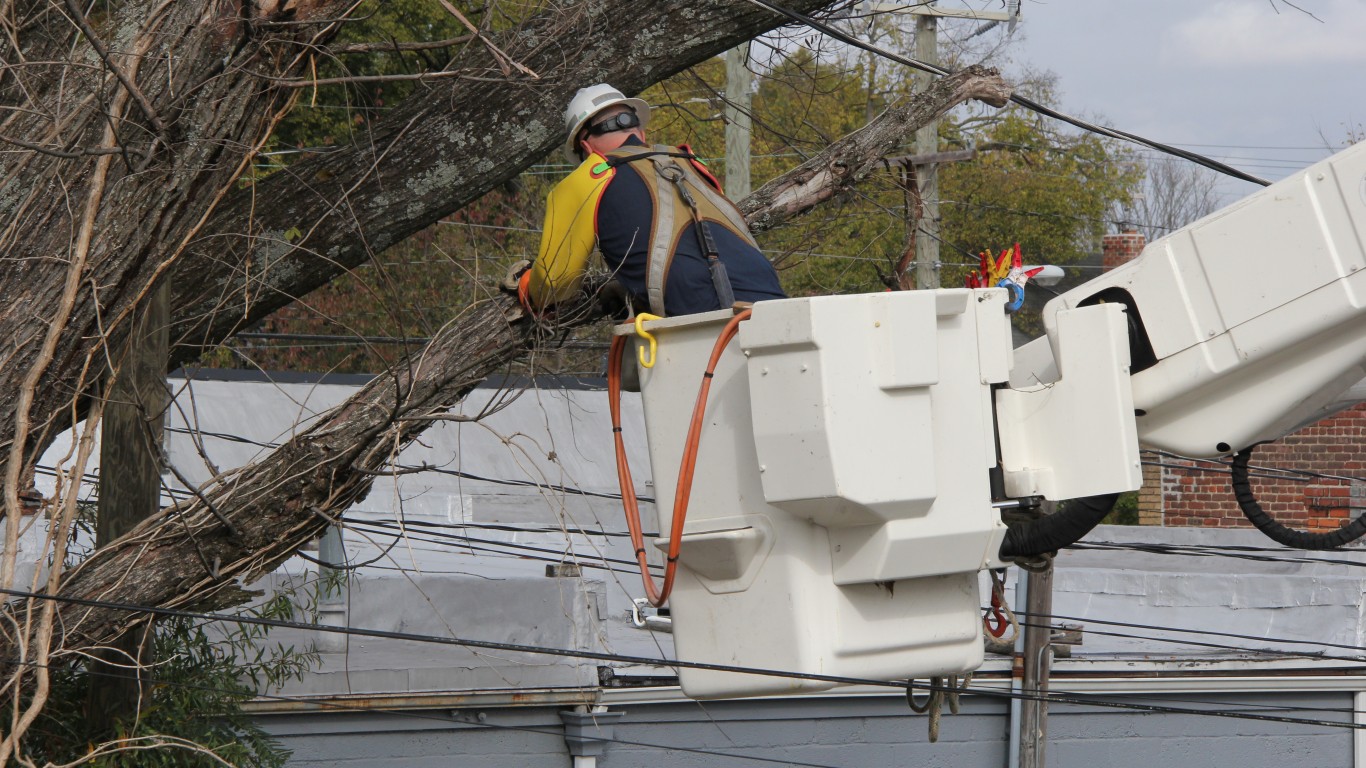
(1123, 247)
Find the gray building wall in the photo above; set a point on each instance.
(852, 732)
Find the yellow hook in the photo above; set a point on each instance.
(640, 331)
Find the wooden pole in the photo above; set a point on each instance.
(1038, 657)
(927, 174)
(738, 122)
(130, 491)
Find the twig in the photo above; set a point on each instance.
(504, 60)
(392, 472)
(397, 47)
(304, 82)
(213, 510)
(65, 154)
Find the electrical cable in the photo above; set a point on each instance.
(1259, 467)
(565, 489)
(509, 528)
(1282, 652)
(446, 541)
(1247, 502)
(1027, 103)
(394, 529)
(473, 724)
(1194, 550)
(338, 706)
(1209, 632)
(1278, 653)
(1050, 697)
(687, 465)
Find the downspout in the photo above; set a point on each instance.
(334, 582)
(1017, 678)
(586, 732)
(1359, 733)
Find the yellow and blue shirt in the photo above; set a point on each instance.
(613, 208)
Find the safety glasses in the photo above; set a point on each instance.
(619, 122)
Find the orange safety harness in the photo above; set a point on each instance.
(659, 595)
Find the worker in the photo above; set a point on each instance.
(666, 233)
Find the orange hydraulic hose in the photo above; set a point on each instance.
(658, 595)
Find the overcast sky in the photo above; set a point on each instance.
(1258, 81)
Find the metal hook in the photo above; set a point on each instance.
(640, 331)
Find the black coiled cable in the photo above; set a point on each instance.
(1242, 491)
(1074, 519)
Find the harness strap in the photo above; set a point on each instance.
(718, 200)
(681, 178)
(726, 207)
(661, 248)
(720, 281)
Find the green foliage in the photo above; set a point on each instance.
(192, 705)
(342, 113)
(1047, 188)
(1050, 192)
(1125, 511)
(389, 306)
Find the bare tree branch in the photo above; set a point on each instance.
(283, 501)
(395, 46)
(855, 156)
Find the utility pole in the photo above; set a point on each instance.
(927, 175)
(738, 123)
(130, 487)
(924, 177)
(1037, 658)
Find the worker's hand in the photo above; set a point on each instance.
(510, 281)
(612, 298)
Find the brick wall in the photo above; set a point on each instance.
(1196, 493)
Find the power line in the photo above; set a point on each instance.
(1360, 657)
(1057, 698)
(1262, 467)
(1016, 98)
(436, 537)
(1195, 550)
(408, 469)
(474, 724)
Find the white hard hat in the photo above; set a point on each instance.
(592, 100)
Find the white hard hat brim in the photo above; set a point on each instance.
(641, 109)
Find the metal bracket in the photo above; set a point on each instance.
(645, 616)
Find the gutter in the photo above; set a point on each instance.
(513, 697)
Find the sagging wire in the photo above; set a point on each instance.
(1050, 697)
(1023, 101)
(491, 546)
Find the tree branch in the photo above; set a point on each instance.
(853, 157)
(274, 504)
(395, 46)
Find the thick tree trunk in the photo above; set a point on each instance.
(439, 150)
(94, 209)
(250, 521)
(133, 125)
